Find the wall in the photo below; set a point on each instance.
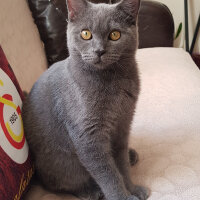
(177, 9)
(194, 10)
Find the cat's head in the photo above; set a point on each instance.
(102, 34)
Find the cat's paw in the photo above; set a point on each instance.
(132, 197)
(133, 157)
(141, 192)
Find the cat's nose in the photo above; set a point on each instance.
(100, 52)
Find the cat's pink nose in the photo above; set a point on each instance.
(100, 52)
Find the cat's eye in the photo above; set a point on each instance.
(86, 34)
(115, 35)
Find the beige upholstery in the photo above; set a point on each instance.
(20, 41)
(166, 128)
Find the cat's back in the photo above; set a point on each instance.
(50, 77)
(45, 134)
(37, 108)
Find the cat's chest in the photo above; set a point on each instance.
(98, 96)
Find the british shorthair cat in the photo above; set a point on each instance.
(78, 114)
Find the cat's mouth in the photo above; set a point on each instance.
(99, 61)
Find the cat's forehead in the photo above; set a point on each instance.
(102, 9)
(100, 17)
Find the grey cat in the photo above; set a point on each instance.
(78, 114)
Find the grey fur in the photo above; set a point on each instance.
(78, 114)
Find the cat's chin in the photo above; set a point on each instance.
(100, 65)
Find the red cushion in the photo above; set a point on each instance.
(16, 168)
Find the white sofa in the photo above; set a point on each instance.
(166, 126)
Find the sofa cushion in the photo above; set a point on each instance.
(15, 164)
(165, 130)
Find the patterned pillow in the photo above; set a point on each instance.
(16, 168)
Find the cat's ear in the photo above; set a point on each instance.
(130, 8)
(75, 7)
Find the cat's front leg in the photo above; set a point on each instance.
(94, 151)
(123, 162)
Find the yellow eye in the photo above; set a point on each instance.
(86, 35)
(115, 35)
